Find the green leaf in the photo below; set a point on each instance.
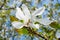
(25, 31)
(55, 25)
(22, 31)
(3, 13)
(1, 38)
(57, 5)
(7, 11)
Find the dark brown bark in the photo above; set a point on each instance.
(58, 38)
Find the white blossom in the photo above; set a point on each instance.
(25, 15)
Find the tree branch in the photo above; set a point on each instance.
(34, 32)
(3, 4)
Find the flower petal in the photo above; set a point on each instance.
(17, 25)
(45, 21)
(34, 25)
(19, 13)
(26, 11)
(39, 11)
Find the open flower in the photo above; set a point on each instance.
(27, 18)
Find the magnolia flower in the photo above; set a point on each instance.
(58, 34)
(28, 18)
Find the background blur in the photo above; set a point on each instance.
(7, 14)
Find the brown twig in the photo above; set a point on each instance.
(3, 4)
(34, 32)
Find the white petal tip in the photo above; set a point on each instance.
(17, 25)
